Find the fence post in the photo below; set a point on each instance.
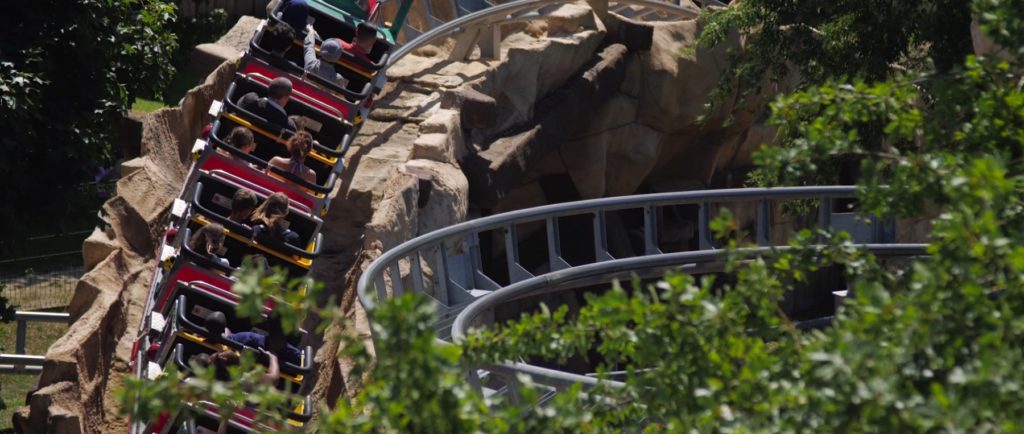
(19, 345)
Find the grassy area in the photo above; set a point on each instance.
(32, 290)
(182, 82)
(13, 387)
(147, 105)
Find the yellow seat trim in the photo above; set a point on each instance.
(302, 262)
(328, 160)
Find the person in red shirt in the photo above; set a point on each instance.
(362, 44)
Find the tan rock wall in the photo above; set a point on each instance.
(657, 129)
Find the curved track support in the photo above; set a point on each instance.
(447, 265)
(693, 262)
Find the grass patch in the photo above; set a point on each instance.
(182, 82)
(14, 387)
(146, 105)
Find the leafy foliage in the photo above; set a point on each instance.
(68, 72)
(1003, 21)
(823, 39)
(197, 30)
(145, 400)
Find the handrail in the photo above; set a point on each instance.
(259, 54)
(258, 122)
(216, 143)
(309, 100)
(188, 325)
(256, 188)
(482, 295)
(19, 361)
(265, 242)
(550, 282)
(24, 317)
(557, 281)
(602, 205)
(41, 316)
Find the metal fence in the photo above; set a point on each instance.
(19, 362)
(32, 284)
(41, 282)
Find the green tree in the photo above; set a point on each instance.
(823, 39)
(68, 73)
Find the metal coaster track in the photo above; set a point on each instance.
(447, 265)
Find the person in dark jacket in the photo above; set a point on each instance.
(243, 203)
(293, 12)
(273, 342)
(277, 40)
(271, 107)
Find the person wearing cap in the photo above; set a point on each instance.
(271, 107)
(362, 44)
(330, 51)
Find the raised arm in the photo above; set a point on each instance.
(273, 370)
(309, 59)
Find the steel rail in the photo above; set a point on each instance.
(408, 248)
(553, 281)
(560, 280)
(458, 314)
(19, 361)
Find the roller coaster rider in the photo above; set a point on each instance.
(271, 107)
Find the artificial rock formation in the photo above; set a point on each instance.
(461, 114)
(499, 166)
(651, 128)
(208, 57)
(648, 127)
